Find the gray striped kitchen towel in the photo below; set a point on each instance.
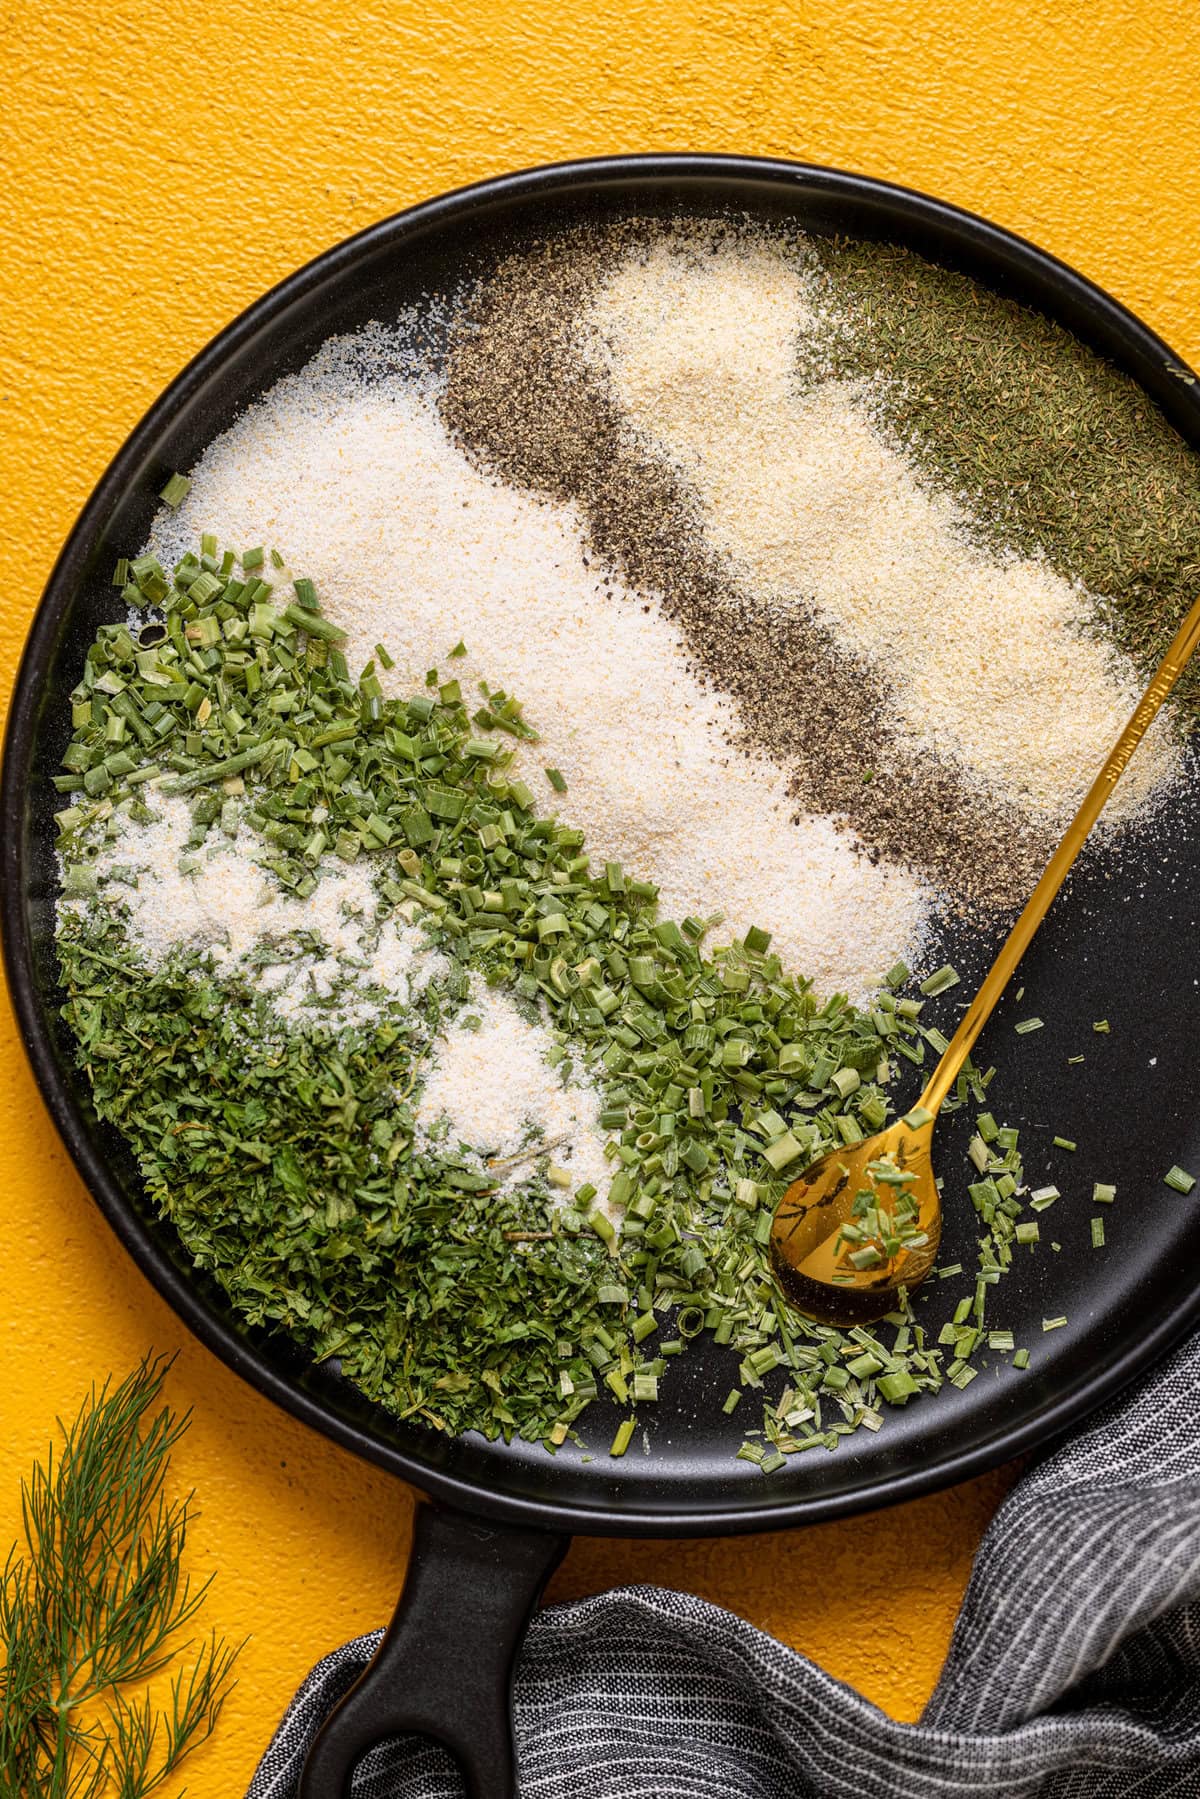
(1074, 1671)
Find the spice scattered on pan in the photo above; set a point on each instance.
(523, 402)
(986, 659)
(1054, 452)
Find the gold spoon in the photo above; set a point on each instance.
(850, 1279)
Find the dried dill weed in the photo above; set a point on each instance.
(474, 1047)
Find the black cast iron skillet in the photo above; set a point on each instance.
(1116, 945)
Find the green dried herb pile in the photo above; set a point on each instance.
(288, 1160)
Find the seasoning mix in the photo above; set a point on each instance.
(488, 882)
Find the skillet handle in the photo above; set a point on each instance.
(445, 1666)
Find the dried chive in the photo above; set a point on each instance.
(313, 623)
(176, 490)
(710, 1065)
(623, 1438)
(219, 771)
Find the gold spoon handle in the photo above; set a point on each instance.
(1059, 865)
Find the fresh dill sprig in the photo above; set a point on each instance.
(94, 1605)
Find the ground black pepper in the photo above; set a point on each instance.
(519, 400)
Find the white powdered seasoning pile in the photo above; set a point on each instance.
(494, 1091)
(220, 902)
(328, 962)
(347, 469)
(990, 661)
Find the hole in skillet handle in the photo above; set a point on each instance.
(445, 1666)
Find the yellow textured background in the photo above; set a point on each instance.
(163, 163)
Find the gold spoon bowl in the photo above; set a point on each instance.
(844, 1266)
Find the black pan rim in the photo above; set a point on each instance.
(1110, 327)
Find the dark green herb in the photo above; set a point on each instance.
(96, 1604)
